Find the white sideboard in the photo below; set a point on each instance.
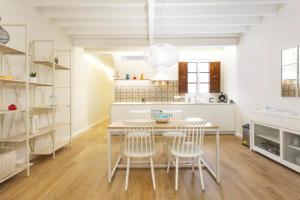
(276, 135)
(221, 114)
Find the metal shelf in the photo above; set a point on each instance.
(52, 145)
(15, 139)
(19, 169)
(42, 131)
(4, 112)
(51, 64)
(45, 63)
(42, 84)
(5, 50)
(12, 81)
(41, 108)
(58, 145)
(9, 136)
(61, 67)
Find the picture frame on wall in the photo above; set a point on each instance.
(290, 80)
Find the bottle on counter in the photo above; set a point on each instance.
(142, 76)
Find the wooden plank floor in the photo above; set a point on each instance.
(80, 172)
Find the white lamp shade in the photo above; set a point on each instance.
(162, 55)
(160, 75)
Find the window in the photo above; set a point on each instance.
(198, 77)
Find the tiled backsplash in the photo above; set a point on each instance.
(136, 90)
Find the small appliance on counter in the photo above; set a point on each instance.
(222, 98)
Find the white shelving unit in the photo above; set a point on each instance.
(10, 135)
(51, 107)
(275, 134)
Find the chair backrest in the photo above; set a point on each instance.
(139, 136)
(174, 114)
(190, 136)
(140, 114)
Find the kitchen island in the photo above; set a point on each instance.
(222, 114)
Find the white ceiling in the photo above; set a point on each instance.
(115, 23)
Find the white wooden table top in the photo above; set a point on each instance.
(172, 124)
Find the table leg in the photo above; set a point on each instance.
(109, 155)
(218, 155)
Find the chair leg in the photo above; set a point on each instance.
(127, 173)
(176, 174)
(152, 173)
(169, 162)
(193, 163)
(201, 173)
(165, 148)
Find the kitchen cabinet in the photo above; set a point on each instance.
(276, 135)
(220, 114)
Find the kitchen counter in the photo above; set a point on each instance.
(222, 114)
(166, 103)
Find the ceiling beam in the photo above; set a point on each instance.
(202, 29)
(151, 17)
(168, 12)
(217, 11)
(100, 22)
(137, 3)
(219, 2)
(145, 36)
(117, 31)
(169, 22)
(87, 3)
(117, 44)
(158, 31)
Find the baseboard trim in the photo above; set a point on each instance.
(92, 125)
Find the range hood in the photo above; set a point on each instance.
(160, 75)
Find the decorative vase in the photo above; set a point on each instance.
(33, 79)
(56, 60)
(4, 36)
(127, 77)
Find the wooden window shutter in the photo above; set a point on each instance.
(215, 77)
(182, 77)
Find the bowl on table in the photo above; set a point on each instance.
(161, 118)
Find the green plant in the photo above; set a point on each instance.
(32, 74)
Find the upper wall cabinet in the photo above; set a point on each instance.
(290, 72)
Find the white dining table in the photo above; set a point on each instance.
(117, 128)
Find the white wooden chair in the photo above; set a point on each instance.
(140, 114)
(188, 144)
(173, 114)
(139, 143)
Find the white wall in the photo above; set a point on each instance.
(92, 89)
(19, 12)
(259, 56)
